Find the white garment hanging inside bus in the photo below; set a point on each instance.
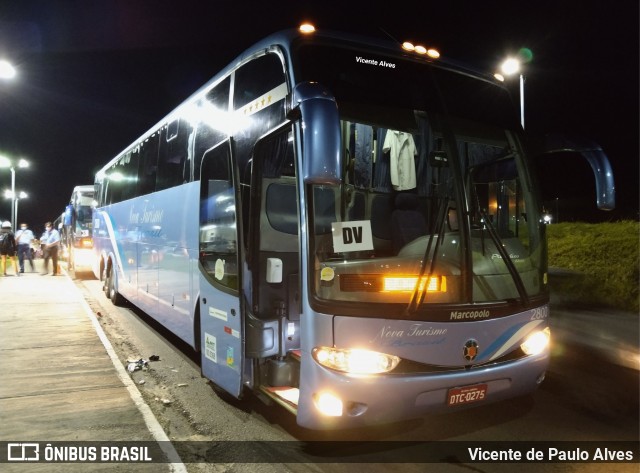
(402, 151)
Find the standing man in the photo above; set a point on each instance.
(24, 237)
(51, 242)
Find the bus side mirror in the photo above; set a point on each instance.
(317, 108)
(597, 159)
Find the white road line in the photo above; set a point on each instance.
(176, 465)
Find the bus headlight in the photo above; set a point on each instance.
(536, 342)
(355, 361)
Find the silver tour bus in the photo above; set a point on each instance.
(341, 225)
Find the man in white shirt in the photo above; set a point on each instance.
(24, 237)
(51, 241)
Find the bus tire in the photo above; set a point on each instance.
(113, 293)
(104, 277)
(105, 285)
(196, 328)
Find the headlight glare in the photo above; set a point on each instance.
(536, 342)
(355, 361)
(328, 404)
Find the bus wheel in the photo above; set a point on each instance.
(105, 282)
(113, 293)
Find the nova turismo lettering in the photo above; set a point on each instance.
(415, 330)
(147, 216)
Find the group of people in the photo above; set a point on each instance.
(20, 244)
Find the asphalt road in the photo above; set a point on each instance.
(586, 397)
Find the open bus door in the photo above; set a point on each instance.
(221, 328)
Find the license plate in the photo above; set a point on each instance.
(466, 394)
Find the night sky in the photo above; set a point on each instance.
(94, 75)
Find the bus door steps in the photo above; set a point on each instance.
(295, 354)
(286, 396)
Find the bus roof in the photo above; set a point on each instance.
(84, 188)
(284, 39)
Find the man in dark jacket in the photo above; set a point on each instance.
(8, 248)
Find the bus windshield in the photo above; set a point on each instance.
(436, 205)
(83, 208)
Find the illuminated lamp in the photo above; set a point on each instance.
(407, 46)
(307, 28)
(328, 404)
(537, 342)
(408, 284)
(510, 66)
(355, 361)
(433, 53)
(7, 71)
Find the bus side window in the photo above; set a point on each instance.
(130, 174)
(211, 129)
(173, 166)
(218, 237)
(109, 189)
(148, 165)
(260, 87)
(117, 182)
(255, 79)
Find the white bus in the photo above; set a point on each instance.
(76, 233)
(344, 226)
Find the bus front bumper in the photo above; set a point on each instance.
(367, 400)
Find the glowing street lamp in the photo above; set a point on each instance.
(7, 71)
(7, 163)
(510, 66)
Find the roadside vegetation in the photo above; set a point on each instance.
(595, 264)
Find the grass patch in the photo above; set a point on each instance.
(603, 263)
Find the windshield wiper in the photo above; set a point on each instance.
(515, 275)
(419, 292)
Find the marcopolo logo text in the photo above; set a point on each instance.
(469, 314)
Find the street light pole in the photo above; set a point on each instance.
(21, 195)
(13, 199)
(510, 67)
(22, 163)
(8, 72)
(522, 100)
